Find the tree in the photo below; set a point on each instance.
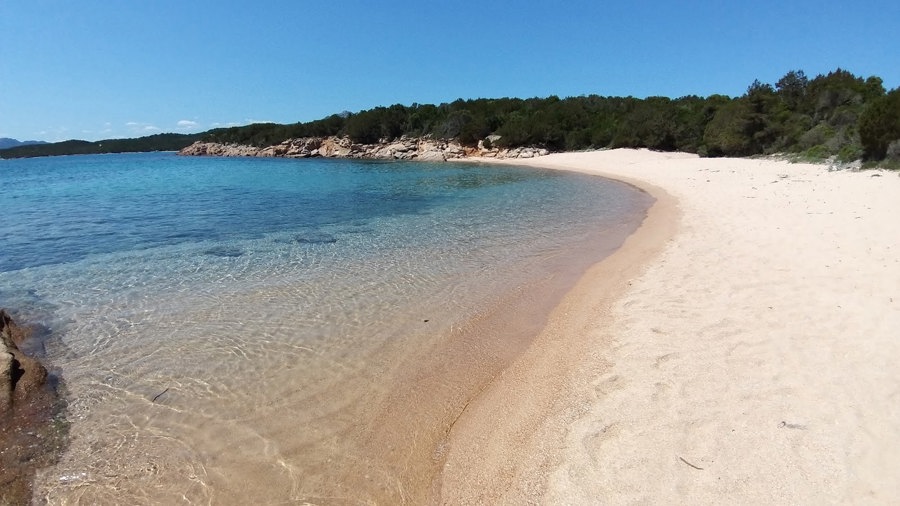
(692, 115)
(879, 125)
(726, 134)
(515, 130)
(763, 119)
(792, 88)
(364, 127)
(650, 124)
(833, 95)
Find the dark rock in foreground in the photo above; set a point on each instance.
(31, 430)
(21, 377)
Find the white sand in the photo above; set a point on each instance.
(751, 328)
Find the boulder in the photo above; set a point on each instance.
(431, 156)
(400, 147)
(6, 385)
(335, 147)
(30, 438)
(22, 378)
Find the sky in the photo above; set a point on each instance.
(99, 69)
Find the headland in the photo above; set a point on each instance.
(420, 149)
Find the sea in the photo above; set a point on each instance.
(228, 330)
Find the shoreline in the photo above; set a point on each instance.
(672, 359)
(388, 433)
(530, 404)
(761, 322)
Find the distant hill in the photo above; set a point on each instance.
(6, 142)
(157, 142)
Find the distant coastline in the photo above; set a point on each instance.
(158, 142)
(838, 116)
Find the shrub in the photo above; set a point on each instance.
(879, 125)
(819, 152)
(818, 135)
(726, 134)
(849, 153)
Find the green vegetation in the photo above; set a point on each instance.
(158, 142)
(879, 127)
(836, 115)
(811, 119)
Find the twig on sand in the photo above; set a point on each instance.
(688, 463)
(160, 394)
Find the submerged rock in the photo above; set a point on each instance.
(224, 251)
(315, 238)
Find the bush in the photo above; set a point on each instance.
(819, 152)
(849, 153)
(726, 134)
(879, 125)
(818, 135)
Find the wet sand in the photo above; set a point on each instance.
(738, 348)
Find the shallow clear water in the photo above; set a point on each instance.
(281, 329)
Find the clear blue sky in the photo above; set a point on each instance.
(95, 69)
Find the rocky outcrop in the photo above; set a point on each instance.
(32, 430)
(423, 149)
(22, 378)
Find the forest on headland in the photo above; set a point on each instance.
(837, 115)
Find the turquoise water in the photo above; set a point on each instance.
(64, 210)
(283, 329)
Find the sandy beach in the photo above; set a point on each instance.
(740, 348)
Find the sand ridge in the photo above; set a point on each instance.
(739, 348)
